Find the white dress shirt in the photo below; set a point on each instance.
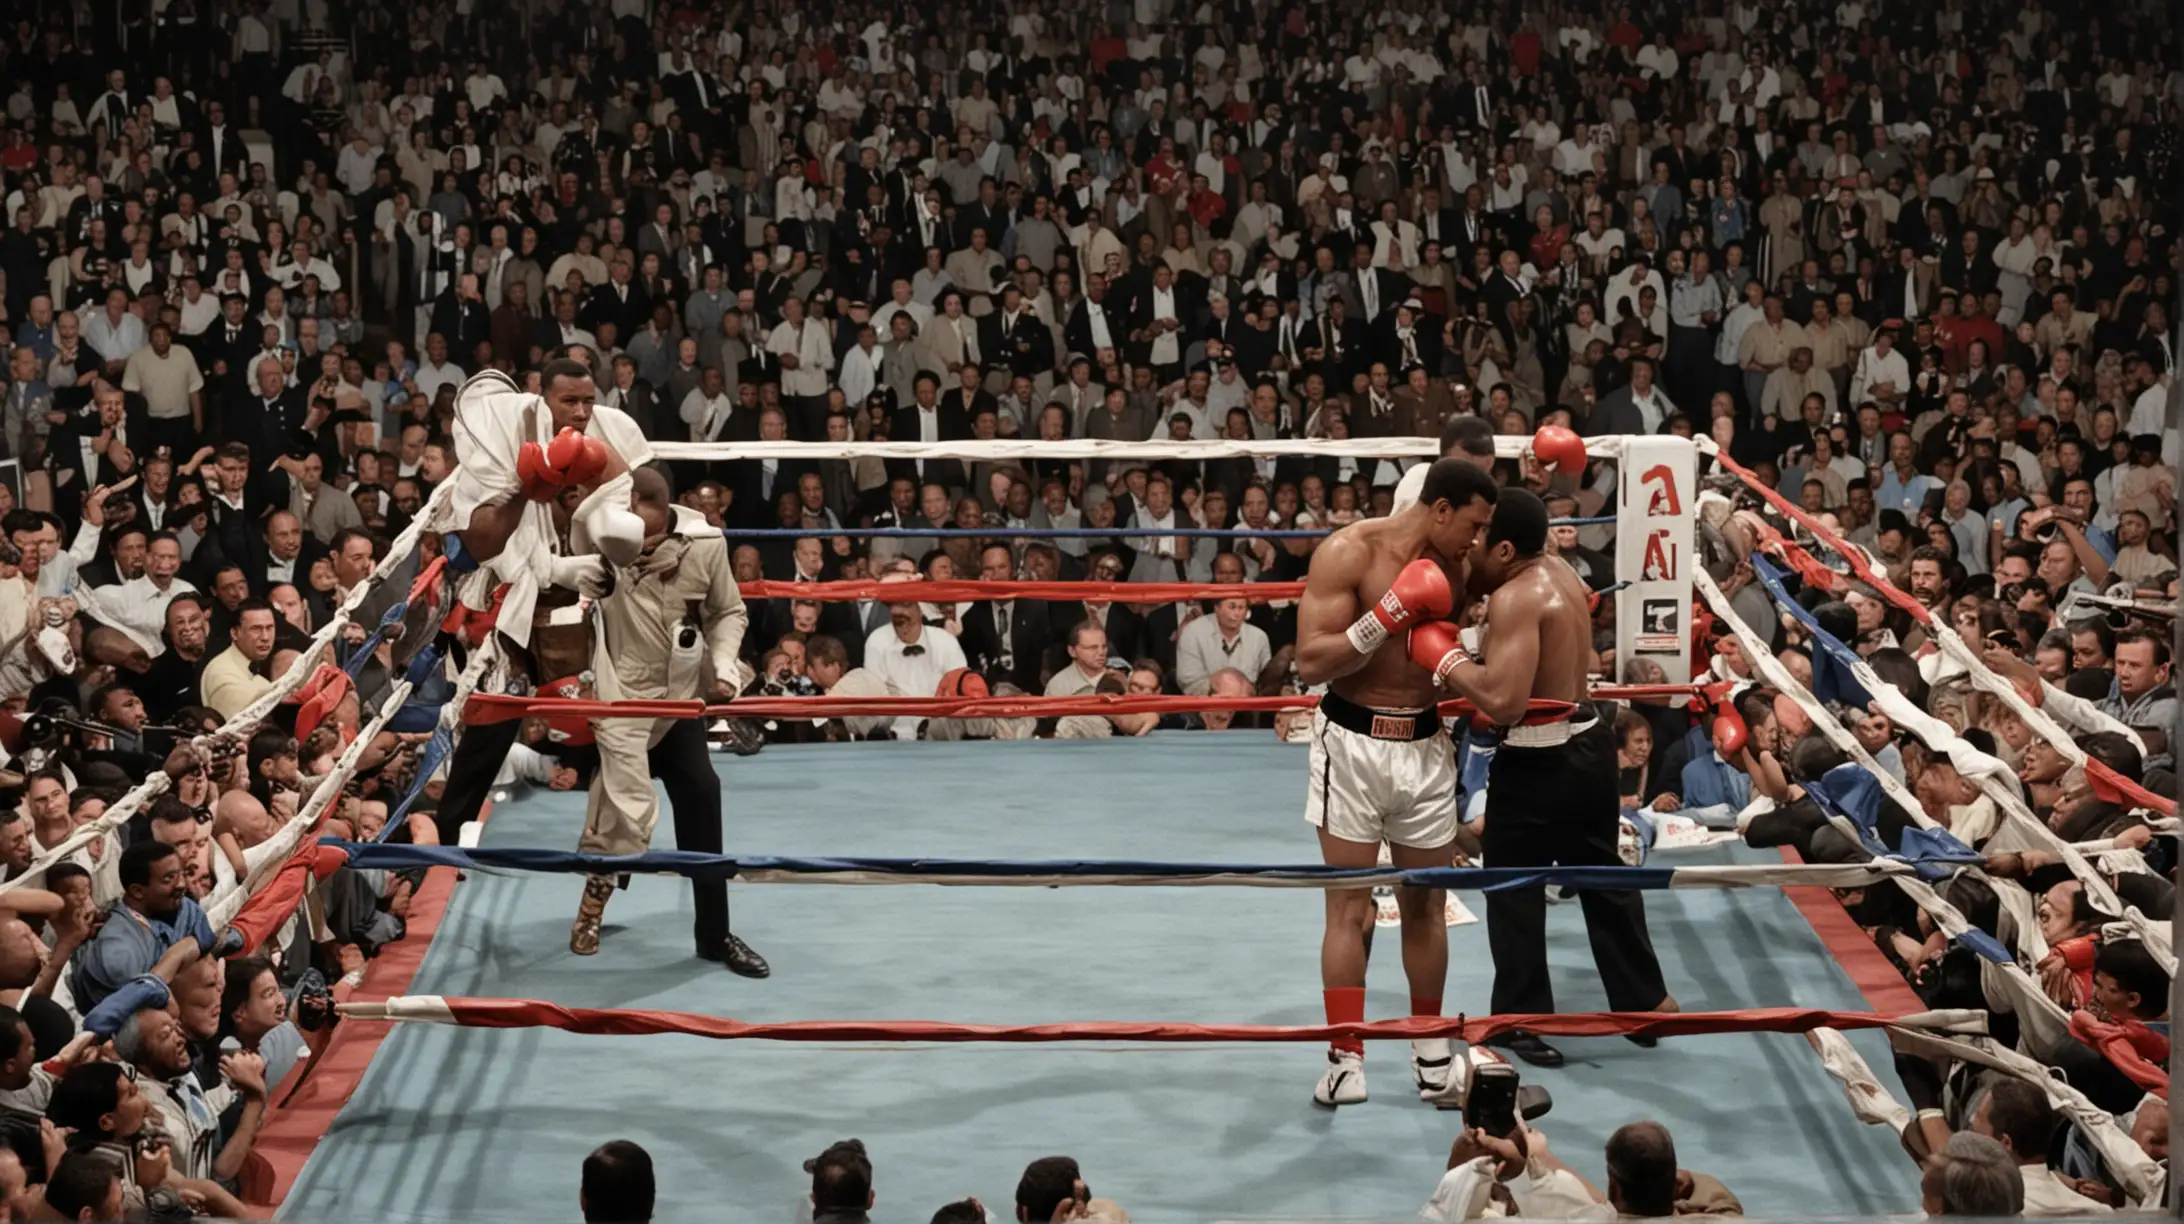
(913, 668)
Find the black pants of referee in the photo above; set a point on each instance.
(685, 770)
(680, 761)
(1558, 807)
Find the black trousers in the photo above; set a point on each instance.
(1558, 807)
(471, 769)
(685, 770)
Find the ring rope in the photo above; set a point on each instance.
(1942, 634)
(2031, 1003)
(123, 809)
(853, 870)
(1124, 532)
(1985, 770)
(988, 449)
(501, 707)
(967, 590)
(636, 1022)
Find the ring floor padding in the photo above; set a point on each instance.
(453, 1124)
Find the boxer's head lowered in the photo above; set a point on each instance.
(1517, 534)
(651, 498)
(1457, 501)
(567, 386)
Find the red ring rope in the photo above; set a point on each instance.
(626, 1022)
(495, 707)
(965, 590)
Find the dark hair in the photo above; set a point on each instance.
(2102, 634)
(2135, 972)
(83, 1181)
(1459, 484)
(84, 1094)
(563, 367)
(617, 1185)
(2157, 640)
(12, 1028)
(1045, 1183)
(63, 873)
(253, 604)
(2019, 1114)
(1642, 1168)
(841, 1176)
(826, 648)
(1469, 434)
(2112, 749)
(1520, 517)
(242, 975)
(138, 860)
(965, 1212)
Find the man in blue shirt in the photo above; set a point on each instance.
(153, 915)
(1903, 486)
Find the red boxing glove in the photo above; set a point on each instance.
(1420, 591)
(1730, 733)
(1437, 647)
(569, 461)
(1560, 449)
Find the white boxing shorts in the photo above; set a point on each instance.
(1381, 775)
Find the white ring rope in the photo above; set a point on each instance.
(988, 449)
(2042, 1020)
(286, 683)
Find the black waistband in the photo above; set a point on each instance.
(1380, 724)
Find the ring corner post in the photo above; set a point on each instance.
(1655, 548)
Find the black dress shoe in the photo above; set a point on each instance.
(738, 956)
(1642, 1041)
(1530, 1048)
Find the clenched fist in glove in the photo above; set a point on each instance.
(569, 461)
(1559, 450)
(1420, 592)
(1437, 647)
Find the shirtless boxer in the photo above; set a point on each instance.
(1551, 791)
(1381, 765)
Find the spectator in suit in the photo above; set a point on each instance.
(460, 315)
(759, 483)
(1006, 639)
(1015, 340)
(927, 419)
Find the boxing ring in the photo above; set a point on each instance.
(462, 1123)
(1093, 947)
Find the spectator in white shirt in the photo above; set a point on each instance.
(2016, 1114)
(910, 656)
(140, 604)
(1225, 639)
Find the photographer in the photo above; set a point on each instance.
(1520, 1175)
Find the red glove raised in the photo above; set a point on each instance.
(1730, 733)
(1559, 449)
(569, 461)
(1420, 591)
(1437, 647)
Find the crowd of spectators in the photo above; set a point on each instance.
(1913, 263)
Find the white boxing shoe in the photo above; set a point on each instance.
(1432, 1065)
(1344, 1083)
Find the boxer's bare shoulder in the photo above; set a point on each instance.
(1542, 611)
(1351, 570)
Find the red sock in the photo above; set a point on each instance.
(1346, 1005)
(1424, 1007)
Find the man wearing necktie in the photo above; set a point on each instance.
(1006, 638)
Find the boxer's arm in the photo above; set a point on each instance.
(1501, 686)
(490, 528)
(1329, 607)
